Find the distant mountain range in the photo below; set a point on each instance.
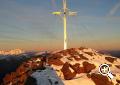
(9, 63)
(11, 52)
(115, 53)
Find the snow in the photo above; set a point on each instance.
(47, 77)
(97, 59)
(82, 80)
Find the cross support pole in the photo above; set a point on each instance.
(64, 13)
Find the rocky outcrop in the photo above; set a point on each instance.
(89, 53)
(88, 67)
(83, 57)
(77, 58)
(82, 48)
(77, 68)
(67, 73)
(100, 79)
(55, 60)
(118, 81)
(110, 59)
(118, 66)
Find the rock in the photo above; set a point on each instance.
(67, 72)
(70, 58)
(82, 48)
(100, 79)
(118, 81)
(88, 75)
(118, 66)
(55, 59)
(77, 68)
(110, 59)
(117, 84)
(64, 52)
(89, 53)
(77, 58)
(88, 66)
(110, 65)
(56, 56)
(57, 62)
(72, 51)
(83, 57)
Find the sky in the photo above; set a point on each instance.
(30, 25)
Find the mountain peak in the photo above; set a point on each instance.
(11, 52)
(75, 63)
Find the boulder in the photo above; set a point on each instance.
(83, 57)
(88, 66)
(118, 81)
(57, 62)
(89, 53)
(77, 68)
(67, 72)
(110, 59)
(55, 59)
(100, 79)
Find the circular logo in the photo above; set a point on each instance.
(104, 69)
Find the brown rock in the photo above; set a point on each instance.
(55, 59)
(100, 79)
(64, 52)
(67, 72)
(57, 62)
(110, 59)
(88, 75)
(83, 57)
(70, 58)
(109, 65)
(117, 84)
(77, 68)
(82, 48)
(118, 81)
(77, 58)
(7, 79)
(88, 66)
(118, 66)
(72, 51)
(89, 53)
(56, 56)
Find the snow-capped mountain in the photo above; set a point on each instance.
(80, 66)
(74, 66)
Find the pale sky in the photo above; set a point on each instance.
(30, 25)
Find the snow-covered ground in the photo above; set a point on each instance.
(73, 56)
(75, 66)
